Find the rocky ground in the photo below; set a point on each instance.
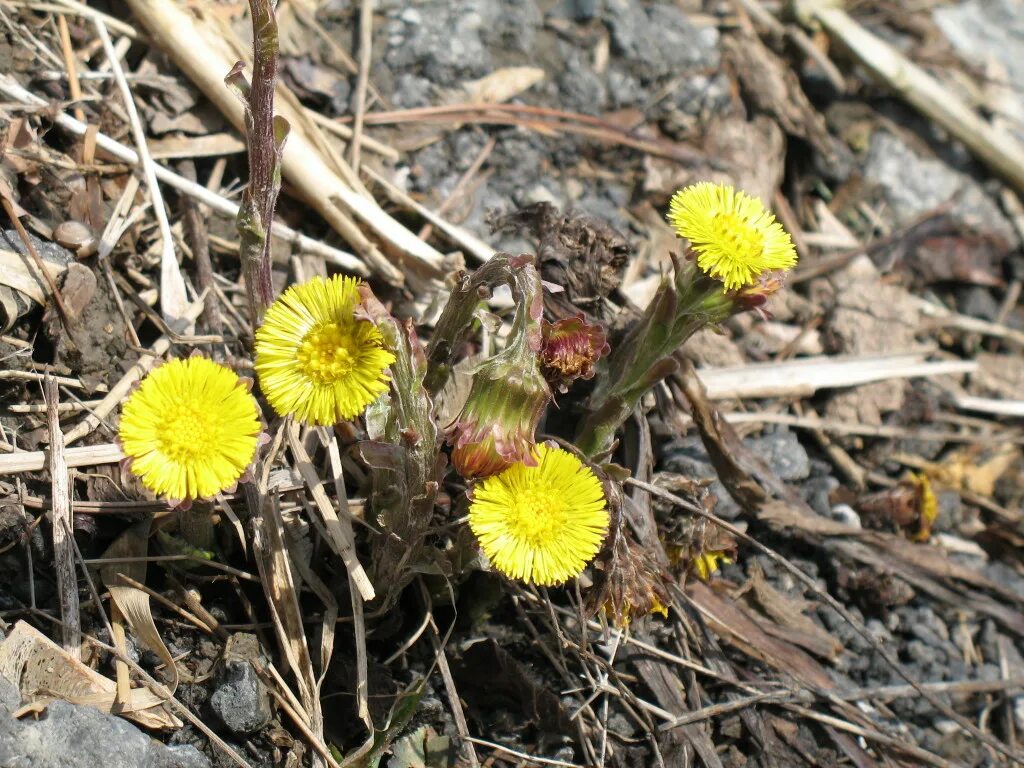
(910, 246)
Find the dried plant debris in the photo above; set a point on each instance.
(504, 383)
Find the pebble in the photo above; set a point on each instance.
(240, 699)
(913, 185)
(783, 453)
(845, 514)
(76, 736)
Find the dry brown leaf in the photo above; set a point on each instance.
(788, 612)
(133, 603)
(44, 671)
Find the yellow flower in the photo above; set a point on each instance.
(190, 429)
(735, 238)
(315, 359)
(708, 563)
(928, 505)
(544, 523)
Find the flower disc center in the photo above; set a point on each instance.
(736, 238)
(187, 433)
(537, 516)
(326, 353)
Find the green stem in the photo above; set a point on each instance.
(265, 136)
(681, 307)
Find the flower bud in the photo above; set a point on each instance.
(497, 425)
(570, 348)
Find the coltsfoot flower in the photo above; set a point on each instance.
(734, 237)
(542, 523)
(190, 430)
(315, 359)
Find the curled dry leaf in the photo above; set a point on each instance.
(45, 671)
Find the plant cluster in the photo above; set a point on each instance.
(328, 352)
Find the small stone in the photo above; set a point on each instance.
(784, 454)
(845, 514)
(977, 301)
(76, 237)
(241, 700)
(179, 756)
(913, 185)
(10, 699)
(817, 492)
(411, 16)
(76, 736)
(660, 40)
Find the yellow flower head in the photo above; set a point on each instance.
(735, 238)
(315, 359)
(542, 524)
(708, 563)
(190, 430)
(928, 505)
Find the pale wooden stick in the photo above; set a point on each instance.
(805, 376)
(340, 537)
(341, 259)
(87, 456)
(63, 551)
(997, 148)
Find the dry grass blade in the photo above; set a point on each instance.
(340, 534)
(173, 301)
(283, 600)
(362, 80)
(358, 617)
(130, 550)
(279, 586)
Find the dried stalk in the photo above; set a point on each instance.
(63, 549)
(997, 148)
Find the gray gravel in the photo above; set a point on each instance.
(72, 736)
